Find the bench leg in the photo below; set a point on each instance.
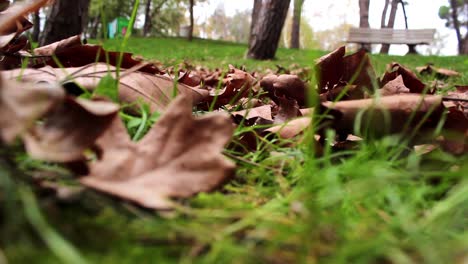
(412, 49)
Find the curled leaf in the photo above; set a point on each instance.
(22, 103)
(287, 85)
(69, 129)
(155, 90)
(179, 157)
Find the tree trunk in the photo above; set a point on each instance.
(364, 19)
(190, 33)
(383, 20)
(268, 31)
(465, 45)
(391, 23)
(404, 13)
(95, 27)
(36, 27)
(67, 18)
(148, 19)
(456, 25)
(296, 25)
(257, 8)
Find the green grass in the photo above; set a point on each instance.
(371, 205)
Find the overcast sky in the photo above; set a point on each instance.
(320, 15)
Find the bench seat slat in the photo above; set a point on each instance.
(391, 36)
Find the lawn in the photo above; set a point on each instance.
(379, 203)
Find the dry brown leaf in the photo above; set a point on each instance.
(236, 85)
(190, 78)
(290, 129)
(386, 115)
(58, 46)
(461, 92)
(261, 111)
(21, 104)
(69, 129)
(286, 85)
(288, 109)
(66, 53)
(354, 69)
(155, 90)
(12, 20)
(441, 73)
(396, 86)
(329, 69)
(179, 157)
(410, 79)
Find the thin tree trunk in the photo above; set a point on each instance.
(190, 34)
(148, 19)
(95, 27)
(66, 19)
(364, 19)
(404, 13)
(383, 20)
(456, 25)
(391, 23)
(465, 45)
(268, 31)
(255, 14)
(36, 27)
(296, 25)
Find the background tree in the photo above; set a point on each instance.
(267, 30)
(296, 24)
(102, 12)
(190, 33)
(391, 21)
(456, 14)
(364, 18)
(257, 7)
(36, 26)
(153, 11)
(67, 18)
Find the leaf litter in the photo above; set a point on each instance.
(61, 114)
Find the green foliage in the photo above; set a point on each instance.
(445, 12)
(167, 17)
(108, 87)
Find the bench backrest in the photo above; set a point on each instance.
(391, 36)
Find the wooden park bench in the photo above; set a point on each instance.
(410, 37)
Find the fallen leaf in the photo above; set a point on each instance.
(354, 69)
(134, 86)
(290, 129)
(69, 130)
(397, 114)
(410, 79)
(236, 85)
(460, 93)
(455, 133)
(288, 109)
(190, 78)
(179, 157)
(12, 19)
(59, 46)
(66, 54)
(396, 86)
(358, 71)
(329, 69)
(440, 73)
(285, 85)
(22, 103)
(257, 112)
